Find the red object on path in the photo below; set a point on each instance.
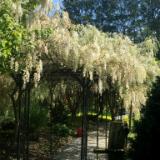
(79, 132)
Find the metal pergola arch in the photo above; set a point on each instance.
(23, 122)
(55, 75)
(84, 83)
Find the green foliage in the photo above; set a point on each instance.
(5, 89)
(30, 5)
(18, 46)
(7, 136)
(38, 118)
(59, 113)
(138, 18)
(61, 130)
(98, 12)
(44, 33)
(11, 36)
(7, 123)
(147, 129)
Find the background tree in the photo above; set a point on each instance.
(136, 18)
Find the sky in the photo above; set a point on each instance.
(57, 6)
(58, 1)
(55, 1)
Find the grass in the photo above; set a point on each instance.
(102, 117)
(125, 118)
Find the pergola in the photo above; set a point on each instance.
(88, 56)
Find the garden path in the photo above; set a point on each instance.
(72, 151)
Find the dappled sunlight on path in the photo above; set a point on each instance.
(72, 151)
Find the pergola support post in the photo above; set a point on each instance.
(18, 127)
(84, 122)
(27, 121)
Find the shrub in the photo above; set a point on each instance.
(148, 128)
(38, 118)
(60, 114)
(61, 130)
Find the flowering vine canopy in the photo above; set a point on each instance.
(131, 67)
(58, 43)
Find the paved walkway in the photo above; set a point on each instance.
(72, 151)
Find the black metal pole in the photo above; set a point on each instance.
(130, 115)
(106, 128)
(24, 125)
(84, 123)
(27, 121)
(50, 136)
(19, 126)
(97, 136)
(51, 126)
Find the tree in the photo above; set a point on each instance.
(138, 18)
(11, 35)
(18, 58)
(100, 13)
(147, 128)
(152, 15)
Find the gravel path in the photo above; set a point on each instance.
(72, 151)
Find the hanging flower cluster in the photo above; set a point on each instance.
(28, 64)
